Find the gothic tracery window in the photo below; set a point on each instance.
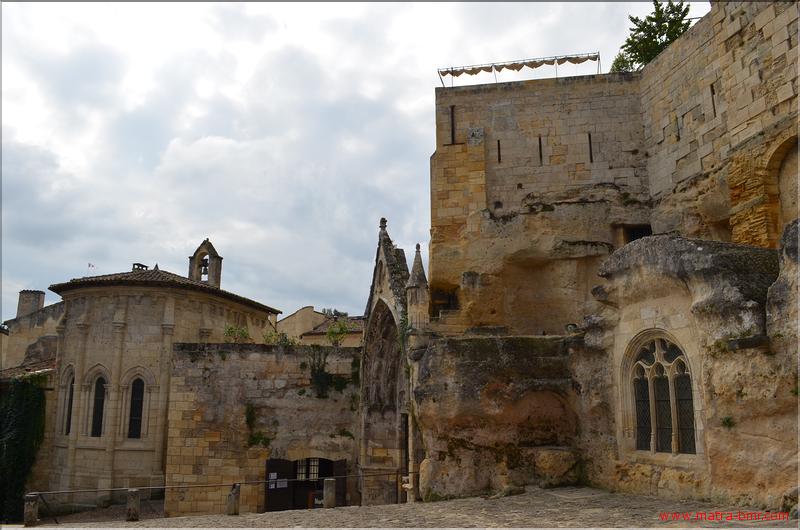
(662, 397)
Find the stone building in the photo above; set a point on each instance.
(111, 362)
(308, 326)
(609, 300)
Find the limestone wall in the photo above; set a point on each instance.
(26, 330)
(122, 333)
(718, 106)
(708, 299)
(209, 439)
(303, 320)
(494, 414)
(39, 479)
(540, 223)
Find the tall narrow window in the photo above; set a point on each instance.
(99, 404)
(452, 124)
(685, 409)
(540, 152)
(499, 158)
(313, 468)
(70, 391)
(300, 470)
(713, 100)
(591, 156)
(641, 392)
(663, 414)
(137, 401)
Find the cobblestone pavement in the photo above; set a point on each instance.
(560, 507)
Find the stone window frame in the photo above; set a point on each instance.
(88, 390)
(150, 388)
(627, 431)
(67, 378)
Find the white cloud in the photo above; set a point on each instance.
(281, 131)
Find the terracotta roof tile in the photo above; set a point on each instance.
(355, 324)
(155, 277)
(16, 371)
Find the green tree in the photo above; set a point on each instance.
(337, 331)
(236, 334)
(651, 35)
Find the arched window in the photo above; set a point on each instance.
(662, 396)
(137, 405)
(68, 412)
(99, 404)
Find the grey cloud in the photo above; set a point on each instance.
(265, 176)
(233, 22)
(88, 76)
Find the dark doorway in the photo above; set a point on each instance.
(298, 484)
(634, 232)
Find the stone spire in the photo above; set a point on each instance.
(417, 277)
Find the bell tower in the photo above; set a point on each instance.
(205, 265)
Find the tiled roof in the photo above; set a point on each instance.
(355, 324)
(155, 278)
(16, 371)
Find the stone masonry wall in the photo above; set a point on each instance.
(26, 330)
(520, 193)
(209, 441)
(717, 105)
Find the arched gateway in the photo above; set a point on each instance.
(383, 410)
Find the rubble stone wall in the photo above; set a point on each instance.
(25, 331)
(209, 440)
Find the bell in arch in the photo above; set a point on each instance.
(205, 265)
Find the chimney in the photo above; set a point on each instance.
(30, 301)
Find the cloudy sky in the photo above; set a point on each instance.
(130, 132)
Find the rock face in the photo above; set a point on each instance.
(782, 298)
(494, 413)
(726, 308)
(728, 283)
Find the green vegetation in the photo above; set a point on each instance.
(274, 338)
(333, 313)
(403, 329)
(355, 369)
(259, 438)
(337, 331)
(255, 437)
(345, 433)
(339, 382)
(22, 415)
(236, 334)
(250, 416)
(320, 378)
(650, 36)
(728, 422)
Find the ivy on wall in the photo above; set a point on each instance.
(22, 413)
